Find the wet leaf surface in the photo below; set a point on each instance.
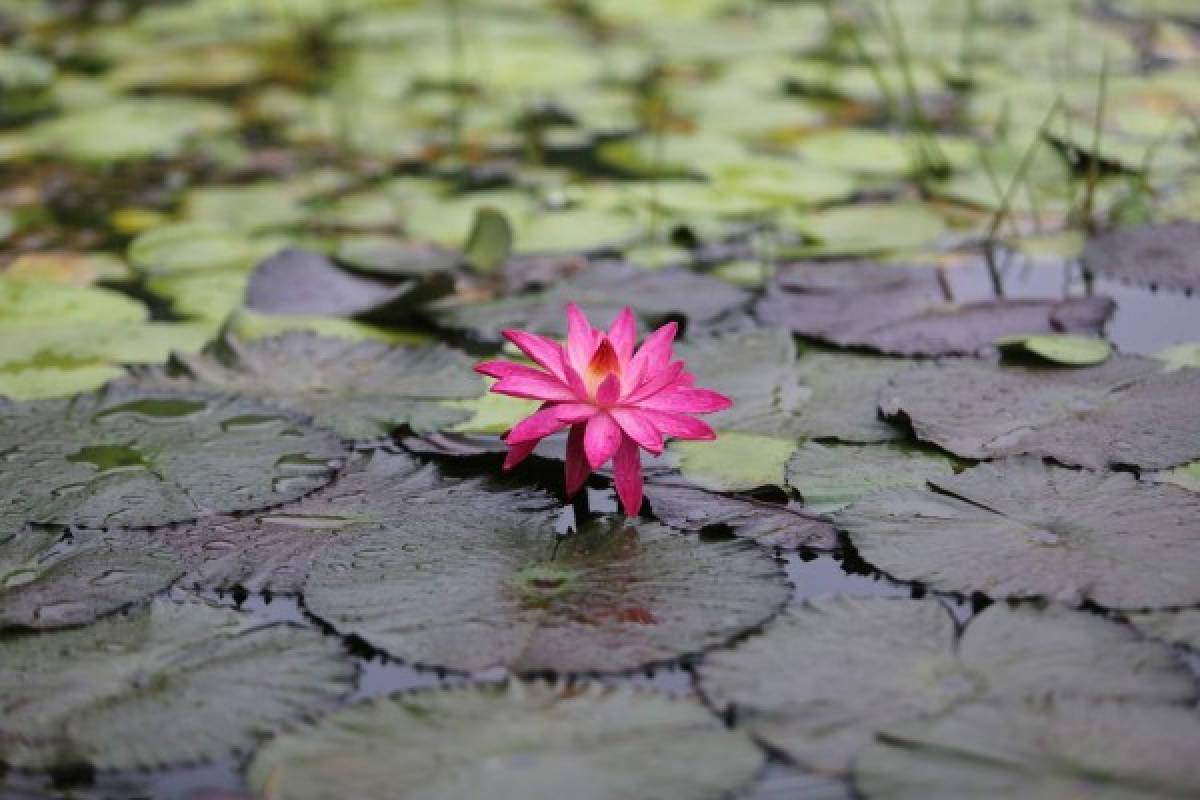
(1019, 528)
(169, 683)
(1165, 256)
(526, 740)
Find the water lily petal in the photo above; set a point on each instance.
(664, 379)
(571, 413)
(681, 426)
(609, 391)
(582, 339)
(542, 350)
(518, 453)
(652, 356)
(601, 439)
(536, 426)
(577, 464)
(576, 383)
(534, 385)
(627, 475)
(623, 334)
(688, 400)
(499, 369)
(640, 428)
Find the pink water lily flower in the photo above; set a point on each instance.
(615, 401)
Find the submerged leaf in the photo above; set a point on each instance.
(1019, 528)
(514, 743)
(168, 684)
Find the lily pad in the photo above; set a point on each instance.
(1019, 528)
(1038, 752)
(514, 743)
(171, 683)
(361, 390)
(1061, 348)
(824, 678)
(141, 458)
(1177, 627)
(829, 478)
(1123, 412)
(49, 579)
(36, 382)
(481, 585)
(188, 247)
(734, 461)
(867, 228)
(770, 524)
(25, 303)
(1165, 256)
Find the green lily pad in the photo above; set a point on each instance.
(171, 683)
(734, 462)
(1187, 476)
(1122, 412)
(251, 326)
(490, 241)
(49, 579)
(247, 208)
(1179, 356)
(187, 247)
(1176, 627)
(51, 344)
(1061, 348)
(824, 678)
(24, 303)
(1038, 752)
(829, 478)
(514, 743)
(869, 228)
(614, 596)
(360, 389)
(1163, 256)
(142, 458)
(34, 382)
(1019, 528)
(207, 297)
(770, 524)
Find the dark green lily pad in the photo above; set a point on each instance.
(1122, 413)
(171, 683)
(50, 580)
(770, 524)
(602, 291)
(482, 585)
(829, 478)
(1019, 528)
(126, 457)
(360, 389)
(1040, 752)
(1165, 256)
(824, 678)
(514, 743)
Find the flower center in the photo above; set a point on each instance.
(604, 363)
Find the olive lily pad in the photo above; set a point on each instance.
(168, 684)
(1039, 752)
(134, 458)
(829, 478)
(480, 585)
(514, 743)
(734, 461)
(1166, 256)
(361, 390)
(49, 579)
(824, 678)
(1061, 348)
(1019, 528)
(1122, 412)
(25, 303)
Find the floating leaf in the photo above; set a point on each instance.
(1037, 751)
(824, 678)
(361, 390)
(167, 684)
(251, 326)
(1180, 356)
(24, 303)
(829, 478)
(482, 585)
(514, 743)
(188, 247)
(389, 255)
(37, 382)
(51, 580)
(142, 458)
(1123, 412)
(490, 241)
(1019, 528)
(866, 228)
(770, 524)
(1165, 256)
(734, 462)
(1061, 348)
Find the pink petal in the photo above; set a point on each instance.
(679, 425)
(534, 385)
(640, 428)
(582, 339)
(688, 400)
(518, 453)
(543, 351)
(656, 383)
(499, 369)
(652, 356)
(601, 439)
(536, 426)
(577, 465)
(623, 334)
(575, 382)
(609, 390)
(627, 474)
(571, 413)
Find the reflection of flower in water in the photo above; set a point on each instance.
(614, 400)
